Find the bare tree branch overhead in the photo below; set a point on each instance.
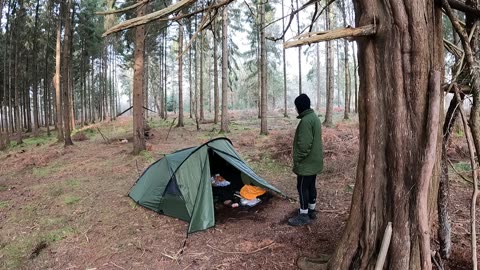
(148, 18)
(122, 10)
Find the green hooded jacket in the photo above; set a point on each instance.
(307, 145)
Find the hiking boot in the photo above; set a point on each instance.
(312, 214)
(299, 220)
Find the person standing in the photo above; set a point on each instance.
(307, 159)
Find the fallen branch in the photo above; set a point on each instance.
(459, 174)
(122, 10)
(309, 38)
(241, 252)
(118, 266)
(107, 141)
(148, 18)
(171, 125)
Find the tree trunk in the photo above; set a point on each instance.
(138, 125)
(346, 67)
(18, 126)
(190, 83)
(224, 123)
(285, 107)
(317, 54)
(329, 86)
(400, 88)
(201, 101)
(444, 231)
(35, 75)
(263, 72)
(180, 75)
(215, 73)
(355, 77)
(65, 71)
(299, 56)
(46, 82)
(161, 111)
(58, 94)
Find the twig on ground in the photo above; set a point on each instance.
(171, 125)
(241, 252)
(458, 173)
(118, 266)
(138, 170)
(107, 140)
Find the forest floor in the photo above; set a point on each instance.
(67, 208)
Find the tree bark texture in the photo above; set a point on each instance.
(138, 125)
(299, 56)
(397, 112)
(180, 75)
(65, 70)
(329, 76)
(444, 229)
(201, 101)
(58, 94)
(263, 74)
(224, 121)
(215, 74)
(285, 107)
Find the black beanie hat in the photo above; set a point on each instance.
(302, 103)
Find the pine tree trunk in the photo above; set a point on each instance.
(329, 86)
(161, 109)
(35, 74)
(299, 56)
(263, 73)
(201, 101)
(180, 75)
(58, 94)
(224, 122)
(138, 125)
(190, 88)
(345, 65)
(285, 106)
(18, 125)
(65, 71)
(317, 54)
(395, 169)
(6, 90)
(215, 74)
(46, 82)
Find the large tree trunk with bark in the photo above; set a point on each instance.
(66, 86)
(399, 71)
(138, 125)
(329, 75)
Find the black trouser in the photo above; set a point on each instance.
(306, 190)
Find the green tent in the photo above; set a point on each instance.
(179, 184)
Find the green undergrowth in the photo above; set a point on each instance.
(33, 141)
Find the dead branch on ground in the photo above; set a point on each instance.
(171, 125)
(107, 140)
